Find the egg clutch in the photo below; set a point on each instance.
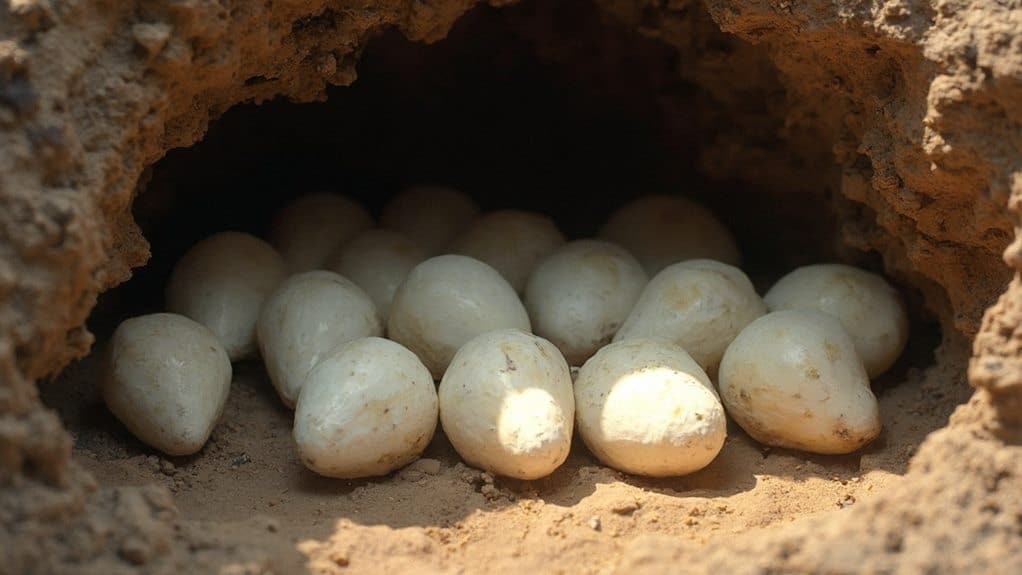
(644, 340)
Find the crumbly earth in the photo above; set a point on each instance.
(902, 114)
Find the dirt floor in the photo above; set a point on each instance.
(249, 485)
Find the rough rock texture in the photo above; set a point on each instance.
(906, 112)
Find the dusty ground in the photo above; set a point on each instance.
(249, 485)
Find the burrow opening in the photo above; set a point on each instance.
(531, 107)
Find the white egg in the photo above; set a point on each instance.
(167, 379)
(699, 305)
(367, 408)
(866, 305)
(506, 404)
(579, 296)
(308, 316)
(309, 229)
(378, 260)
(793, 379)
(512, 241)
(447, 300)
(430, 216)
(222, 282)
(644, 406)
(661, 230)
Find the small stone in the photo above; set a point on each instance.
(626, 508)
(167, 467)
(411, 474)
(427, 466)
(134, 551)
(487, 477)
(151, 37)
(594, 523)
(340, 558)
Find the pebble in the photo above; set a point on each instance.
(426, 465)
(409, 474)
(626, 508)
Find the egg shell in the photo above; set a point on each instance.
(699, 305)
(580, 295)
(793, 379)
(660, 230)
(644, 406)
(430, 216)
(868, 307)
(308, 316)
(309, 229)
(367, 408)
(512, 241)
(378, 261)
(166, 379)
(506, 404)
(446, 301)
(222, 283)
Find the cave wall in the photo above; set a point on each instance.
(905, 114)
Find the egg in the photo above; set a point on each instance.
(305, 319)
(506, 404)
(661, 230)
(580, 295)
(644, 406)
(222, 282)
(699, 305)
(512, 241)
(870, 310)
(446, 301)
(378, 261)
(430, 216)
(793, 379)
(367, 408)
(166, 379)
(309, 229)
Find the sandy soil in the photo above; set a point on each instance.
(248, 485)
